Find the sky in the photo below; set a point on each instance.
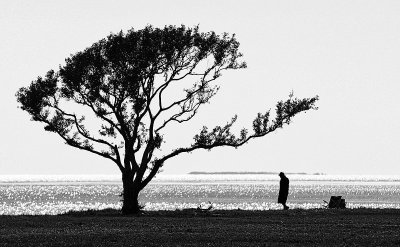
(347, 52)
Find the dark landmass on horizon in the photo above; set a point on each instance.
(251, 173)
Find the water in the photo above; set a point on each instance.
(37, 195)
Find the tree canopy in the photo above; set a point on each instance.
(124, 81)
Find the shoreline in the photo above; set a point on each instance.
(297, 227)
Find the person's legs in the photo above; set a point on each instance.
(285, 207)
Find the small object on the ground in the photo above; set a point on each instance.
(336, 202)
(200, 207)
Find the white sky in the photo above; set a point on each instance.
(347, 52)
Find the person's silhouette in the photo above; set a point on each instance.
(283, 190)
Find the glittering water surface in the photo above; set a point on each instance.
(58, 194)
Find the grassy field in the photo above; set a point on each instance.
(322, 227)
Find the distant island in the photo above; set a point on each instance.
(252, 173)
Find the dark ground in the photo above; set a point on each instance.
(322, 227)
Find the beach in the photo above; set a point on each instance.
(84, 211)
(53, 195)
(313, 227)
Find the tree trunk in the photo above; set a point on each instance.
(130, 195)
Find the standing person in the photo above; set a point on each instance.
(283, 190)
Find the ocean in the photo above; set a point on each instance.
(41, 195)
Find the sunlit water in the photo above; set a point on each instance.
(33, 195)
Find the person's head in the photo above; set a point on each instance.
(281, 174)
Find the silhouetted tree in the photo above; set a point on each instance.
(123, 81)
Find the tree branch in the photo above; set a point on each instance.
(221, 136)
(99, 114)
(82, 131)
(71, 142)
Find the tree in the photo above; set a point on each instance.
(124, 79)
